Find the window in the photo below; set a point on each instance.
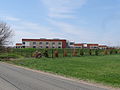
(23, 47)
(47, 47)
(71, 43)
(53, 43)
(59, 43)
(34, 43)
(23, 42)
(34, 46)
(59, 47)
(53, 47)
(47, 43)
(40, 42)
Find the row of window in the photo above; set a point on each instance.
(34, 43)
(46, 47)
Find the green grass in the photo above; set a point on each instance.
(100, 69)
(7, 56)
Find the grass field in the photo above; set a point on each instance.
(100, 69)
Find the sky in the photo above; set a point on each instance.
(81, 21)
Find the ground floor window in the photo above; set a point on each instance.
(34, 46)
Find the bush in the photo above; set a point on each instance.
(37, 54)
(65, 53)
(96, 52)
(81, 52)
(90, 52)
(75, 52)
(105, 52)
(56, 54)
(9, 56)
(46, 53)
(111, 51)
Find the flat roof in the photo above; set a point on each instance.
(43, 40)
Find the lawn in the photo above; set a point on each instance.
(100, 69)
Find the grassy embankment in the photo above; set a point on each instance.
(100, 69)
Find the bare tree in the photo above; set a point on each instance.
(5, 34)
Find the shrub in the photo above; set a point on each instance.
(111, 51)
(74, 52)
(90, 52)
(46, 53)
(81, 52)
(96, 52)
(116, 52)
(65, 53)
(56, 54)
(105, 52)
(37, 54)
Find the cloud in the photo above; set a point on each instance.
(62, 8)
(9, 18)
(32, 30)
(28, 29)
(73, 31)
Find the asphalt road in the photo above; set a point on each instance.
(16, 78)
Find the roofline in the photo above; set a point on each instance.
(43, 40)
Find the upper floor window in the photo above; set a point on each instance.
(23, 42)
(53, 43)
(34, 43)
(47, 42)
(59, 43)
(40, 42)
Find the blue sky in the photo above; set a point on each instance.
(84, 21)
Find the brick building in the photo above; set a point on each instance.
(93, 46)
(56, 43)
(78, 45)
(44, 43)
(18, 45)
(103, 47)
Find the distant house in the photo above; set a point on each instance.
(18, 45)
(78, 45)
(93, 46)
(44, 43)
(103, 47)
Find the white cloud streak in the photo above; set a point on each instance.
(27, 29)
(62, 8)
(78, 33)
(9, 18)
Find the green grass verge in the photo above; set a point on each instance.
(7, 56)
(100, 69)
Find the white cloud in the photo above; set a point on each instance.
(79, 34)
(9, 18)
(32, 30)
(27, 29)
(62, 8)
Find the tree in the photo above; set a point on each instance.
(96, 52)
(5, 34)
(81, 52)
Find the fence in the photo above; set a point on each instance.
(67, 52)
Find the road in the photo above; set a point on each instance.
(17, 78)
